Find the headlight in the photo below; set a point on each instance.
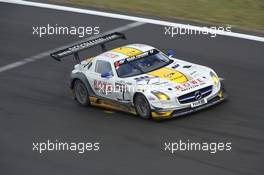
(160, 95)
(214, 78)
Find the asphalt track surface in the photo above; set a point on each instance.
(35, 105)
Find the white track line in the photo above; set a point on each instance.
(131, 18)
(47, 53)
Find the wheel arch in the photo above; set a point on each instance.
(149, 115)
(80, 76)
(136, 94)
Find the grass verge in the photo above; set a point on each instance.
(245, 14)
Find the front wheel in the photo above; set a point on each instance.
(142, 106)
(81, 93)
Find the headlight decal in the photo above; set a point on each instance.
(214, 78)
(160, 95)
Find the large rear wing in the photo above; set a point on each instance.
(86, 45)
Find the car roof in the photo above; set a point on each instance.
(124, 52)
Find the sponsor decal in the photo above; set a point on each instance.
(91, 43)
(193, 72)
(190, 84)
(141, 78)
(86, 44)
(135, 57)
(169, 74)
(102, 86)
(187, 66)
(127, 51)
(175, 66)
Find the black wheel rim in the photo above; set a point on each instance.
(142, 107)
(80, 92)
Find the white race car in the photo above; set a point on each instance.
(140, 79)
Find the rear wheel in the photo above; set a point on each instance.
(81, 93)
(142, 106)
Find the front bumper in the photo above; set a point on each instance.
(221, 96)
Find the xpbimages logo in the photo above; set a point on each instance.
(188, 30)
(80, 31)
(211, 147)
(79, 147)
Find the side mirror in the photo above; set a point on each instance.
(170, 53)
(106, 74)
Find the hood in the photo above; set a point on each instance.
(177, 77)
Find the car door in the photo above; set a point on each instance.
(103, 86)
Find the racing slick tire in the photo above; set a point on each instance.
(223, 86)
(81, 93)
(142, 106)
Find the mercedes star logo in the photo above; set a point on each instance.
(198, 95)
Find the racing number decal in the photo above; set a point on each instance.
(169, 74)
(121, 88)
(122, 92)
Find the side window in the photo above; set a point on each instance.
(103, 67)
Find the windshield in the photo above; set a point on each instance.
(142, 65)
